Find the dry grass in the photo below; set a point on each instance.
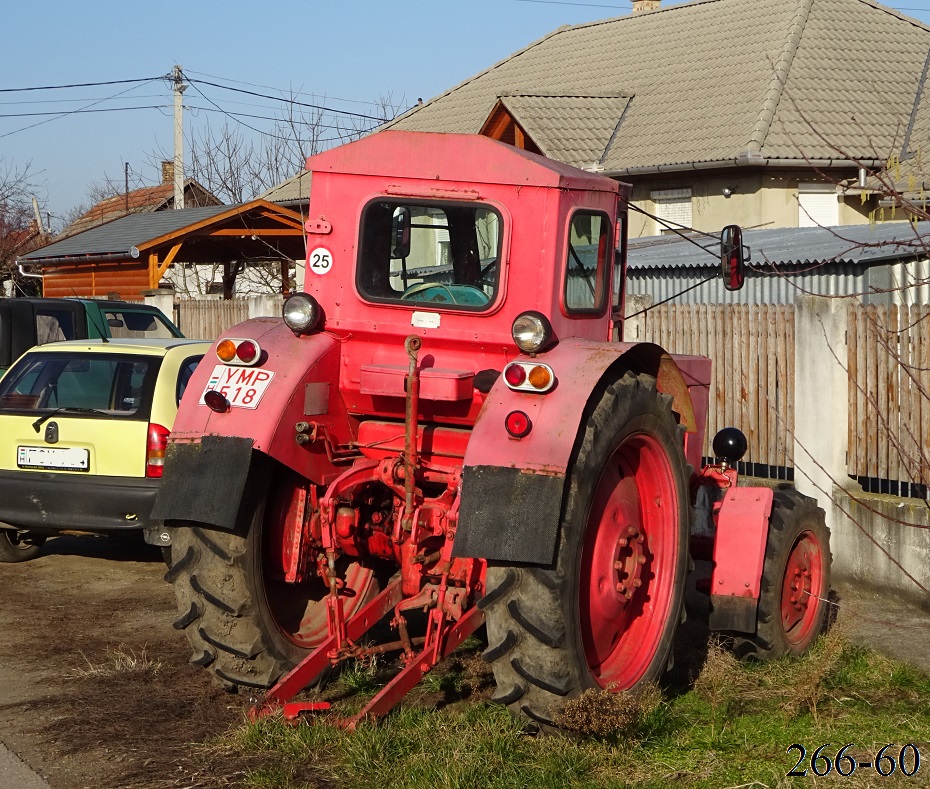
(122, 660)
(603, 713)
(796, 685)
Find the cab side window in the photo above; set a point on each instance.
(587, 262)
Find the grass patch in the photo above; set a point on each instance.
(731, 729)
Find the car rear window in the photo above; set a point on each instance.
(142, 325)
(119, 386)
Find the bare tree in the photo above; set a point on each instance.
(20, 230)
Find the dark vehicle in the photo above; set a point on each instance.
(25, 323)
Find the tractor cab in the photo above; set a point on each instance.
(472, 235)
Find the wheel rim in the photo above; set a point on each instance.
(629, 563)
(299, 611)
(20, 541)
(802, 589)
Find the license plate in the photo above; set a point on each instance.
(57, 458)
(243, 387)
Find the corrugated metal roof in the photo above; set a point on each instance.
(718, 80)
(120, 235)
(799, 246)
(675, 285)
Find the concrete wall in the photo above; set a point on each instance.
(881, 541)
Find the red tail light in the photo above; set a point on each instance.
(155, 450)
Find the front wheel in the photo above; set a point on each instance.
(244, 623)
(19, 546)
(793, 605)
(605, 615)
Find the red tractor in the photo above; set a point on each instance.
(446, 430)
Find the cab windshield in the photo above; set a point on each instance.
(435, 254)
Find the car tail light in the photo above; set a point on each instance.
(238, 351)
(155, 450)
(529, 377)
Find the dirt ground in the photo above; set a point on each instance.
(95, 688)
(96, 691)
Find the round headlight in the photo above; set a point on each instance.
(532, 332)
(301, 313)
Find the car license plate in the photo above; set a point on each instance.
(57, 458)
(243, 387)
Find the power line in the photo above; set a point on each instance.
(269, 87)
(74, 112)
(79, 112)
(320, 107)
(586, 5)
(231, 116)
(95, 98)
(81, 84)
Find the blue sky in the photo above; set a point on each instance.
(341, 54)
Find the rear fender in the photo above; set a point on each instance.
(512, 489)
(211, 456)
(739, 557)
(302, 390)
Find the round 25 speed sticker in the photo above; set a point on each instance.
(319, 261)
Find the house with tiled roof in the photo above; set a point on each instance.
(141, 201)
(764, 113)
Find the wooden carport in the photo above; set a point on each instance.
(130, 255)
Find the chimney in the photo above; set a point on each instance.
(167, 172)
(645, 5)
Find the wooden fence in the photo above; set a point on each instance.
(753, 349)
(204, 319)
(752, 384)
(889, 394)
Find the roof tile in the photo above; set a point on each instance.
(710, 80)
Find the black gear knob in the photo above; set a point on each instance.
(730, 445)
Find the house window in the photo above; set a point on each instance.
(672, 206)
(818, 205)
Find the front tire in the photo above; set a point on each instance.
(793, 605)
(19, 546)
(606, 614)
(245, 624)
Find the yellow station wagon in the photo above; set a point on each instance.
(83, 430)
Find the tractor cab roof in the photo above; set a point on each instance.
(453, 157)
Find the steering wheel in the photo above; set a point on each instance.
(438, 293)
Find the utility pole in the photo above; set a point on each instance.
(35, 208)
(179, 88)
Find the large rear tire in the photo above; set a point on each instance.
(605, 615)
(19, 546)
(793, 605)
(244, 623)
